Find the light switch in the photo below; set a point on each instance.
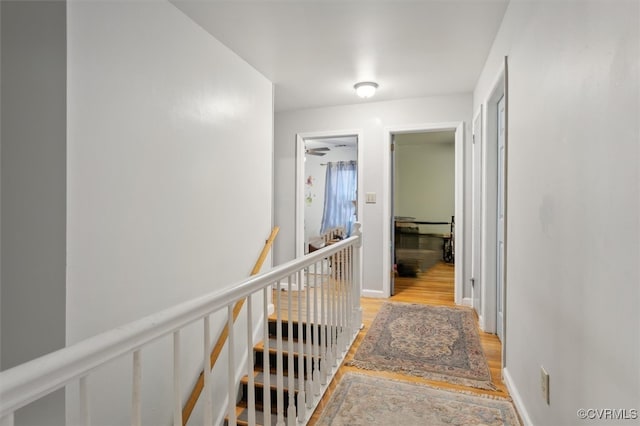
(371, 197)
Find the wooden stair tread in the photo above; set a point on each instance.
(243, 417)
(273, 370)
(273, 345)
(258, 379)
(242, 414)
(272, 320)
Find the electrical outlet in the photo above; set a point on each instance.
(544, 383)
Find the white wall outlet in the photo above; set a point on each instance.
(370, 197)
(544, 383)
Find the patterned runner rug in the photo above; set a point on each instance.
(434, 342)
(366, 400)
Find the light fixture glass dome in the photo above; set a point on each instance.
(366, 89)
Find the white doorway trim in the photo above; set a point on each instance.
(300, 151)
(489, 204)
(475, 233)
(389, 132)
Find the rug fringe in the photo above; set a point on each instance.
(478, 384)
(438, 387)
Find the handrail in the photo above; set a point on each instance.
(27, 382)
(217, 347)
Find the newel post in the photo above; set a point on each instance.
(357, 285)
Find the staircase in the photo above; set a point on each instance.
(262, 384)
(330, 307)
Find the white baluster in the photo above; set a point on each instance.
(85, 413)
(337, 297)
(345, 306)
(357, 310)
(317, 345)
(177, 395)
(301, 392)
(136, 406)
(321, 363)
(328, 362)
(279, 366)
(231, 368)
(309, 382)
(333, 310)
(291, 409)
(352, 294)
(266, 368)
(343, 271)
(343, 289)
(208, 408)
(349, 288)
(339, 304)
(250, 386)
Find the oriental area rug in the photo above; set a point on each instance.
(433, 342)
(364, 400)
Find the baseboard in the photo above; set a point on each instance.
(373, 293)
(517, 399)
(466, 301)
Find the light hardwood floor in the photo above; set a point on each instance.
(434, 287)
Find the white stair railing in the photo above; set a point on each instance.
(329, 318)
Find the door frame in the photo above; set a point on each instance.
(477, 200)
(490, 203)
(389, 132)
(300, 151)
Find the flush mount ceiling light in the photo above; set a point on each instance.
(365, 89)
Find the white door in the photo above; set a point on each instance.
(476, 214)
(500, 227)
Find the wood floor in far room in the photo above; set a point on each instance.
(433, 287)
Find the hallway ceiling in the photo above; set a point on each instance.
(316, 50)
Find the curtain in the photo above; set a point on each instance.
(340, 196)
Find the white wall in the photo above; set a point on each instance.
(169, 183)
(573, 232)
(33, 190)
(425, 181)
(0, 187)
(315, 167)
(372, 118)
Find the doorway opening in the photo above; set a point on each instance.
(423, 211)
(328, 182)
(436, 225)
